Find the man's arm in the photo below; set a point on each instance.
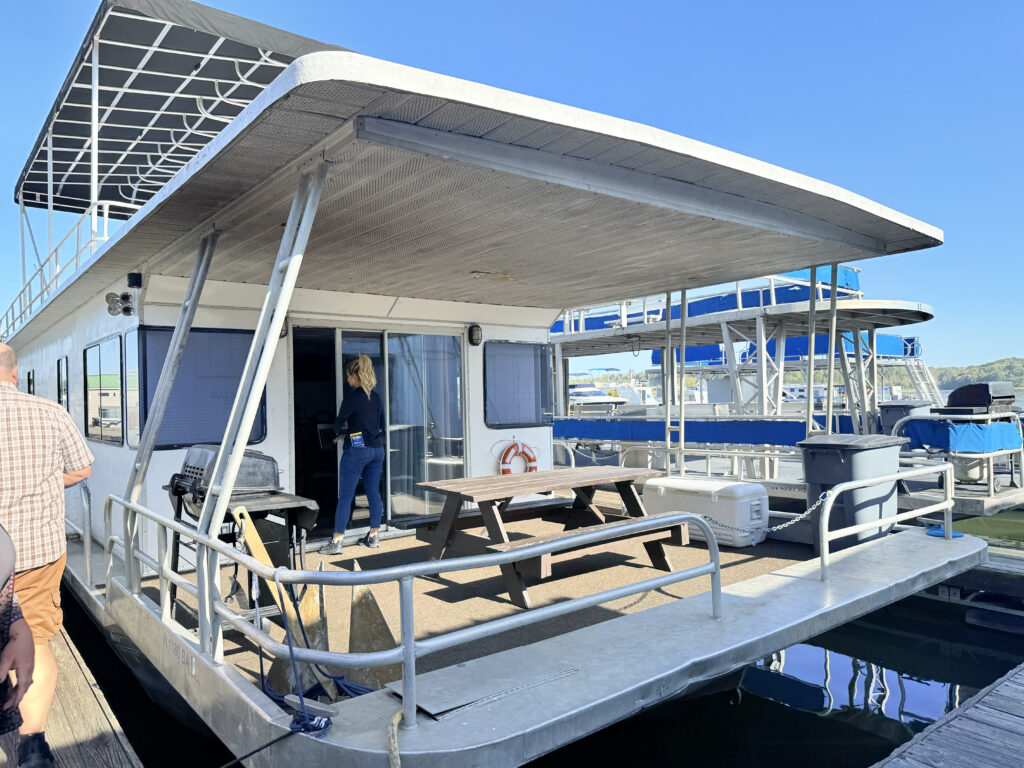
(74, 478)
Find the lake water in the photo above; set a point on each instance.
(846, 699)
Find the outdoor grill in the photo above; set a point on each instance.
(257, 487)
(985, 397)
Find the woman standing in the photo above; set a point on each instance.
(361, 422)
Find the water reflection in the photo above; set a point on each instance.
(845, 698)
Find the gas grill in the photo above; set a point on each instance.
(281, 519)
(987, 397)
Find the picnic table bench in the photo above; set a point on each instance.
(493, 496)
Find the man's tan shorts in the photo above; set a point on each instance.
(38, 591)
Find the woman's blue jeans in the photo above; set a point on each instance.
(356, 463)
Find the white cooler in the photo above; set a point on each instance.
(744, 505)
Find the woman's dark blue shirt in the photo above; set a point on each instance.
(360, 413)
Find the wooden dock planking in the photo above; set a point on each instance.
(82, 730)
(986, 732)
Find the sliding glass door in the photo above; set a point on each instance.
(420, 382)
(426, 415)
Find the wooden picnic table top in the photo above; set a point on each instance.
(495, 487)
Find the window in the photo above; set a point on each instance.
(517, 384)
(132, 412)
(204, 389)
(102, 369)
(62, 382)
(30, 382)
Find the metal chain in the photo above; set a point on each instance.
(821, 499)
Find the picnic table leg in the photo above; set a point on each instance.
(584, 502)
(446, 526)
(514, 582)
(635, 508)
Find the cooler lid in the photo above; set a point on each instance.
(852, 442)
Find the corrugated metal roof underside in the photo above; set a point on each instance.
(852, 315)
(402, 223)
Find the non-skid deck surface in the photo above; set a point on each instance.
(81, 730)
(986, 732)
(464, 598)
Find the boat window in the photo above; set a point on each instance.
(132, 415)
(30, 382)
(62, 382)
(102, 374)
(204, 389)
(517, 384)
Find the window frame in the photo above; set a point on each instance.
(144, 387)
(85, 388)
(543, 380)
(64, 394)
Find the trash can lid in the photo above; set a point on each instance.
(905, 404)
(852, 442)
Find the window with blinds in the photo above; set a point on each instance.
(204, 389)
(518, 388)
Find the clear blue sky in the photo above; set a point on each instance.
(916, 104)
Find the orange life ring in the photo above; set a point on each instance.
(516, 448)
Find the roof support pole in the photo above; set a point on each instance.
(852, 403)
(264, 345)
(832, 345)
(780, 366)
(762, 366)
(730, 362)
(873, 371)
(157, 409)
(250, 391)
(682, 382)
(668, 383)
(21, 231)
(49, 195)
(559, 380)
(866, 426)
(94, 141)
(812, 308)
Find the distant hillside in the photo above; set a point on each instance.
(1007, 369)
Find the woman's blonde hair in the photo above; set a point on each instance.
(362, 369)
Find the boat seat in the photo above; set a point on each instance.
(540, 567)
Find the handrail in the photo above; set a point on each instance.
(47, 276)
(946, 506)
(409, 649)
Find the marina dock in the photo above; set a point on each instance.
(82, 730)
(988, 730)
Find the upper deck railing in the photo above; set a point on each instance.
(63, 262)
(770, 290)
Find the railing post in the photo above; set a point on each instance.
(947, 513)
(405, 593)
(163, 557)
(823, 538)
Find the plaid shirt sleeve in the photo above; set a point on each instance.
(73, 447)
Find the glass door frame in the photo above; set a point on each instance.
(340, 329)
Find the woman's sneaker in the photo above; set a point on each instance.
(333, 548)
(370, 540)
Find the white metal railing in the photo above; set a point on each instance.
(574, 319)
(213, 612)
(62, 263)
(946, 507)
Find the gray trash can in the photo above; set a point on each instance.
(892, 411)
(833, 459)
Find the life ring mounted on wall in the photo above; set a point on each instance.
(517, 448)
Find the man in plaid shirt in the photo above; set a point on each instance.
(41, 454)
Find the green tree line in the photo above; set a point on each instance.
(1007, 369)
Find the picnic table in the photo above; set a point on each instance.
(493, 496)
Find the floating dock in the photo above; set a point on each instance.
(986, 731)
(82, 730)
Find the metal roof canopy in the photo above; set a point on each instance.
(170, 74)
(851, 315)
(445, 189)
